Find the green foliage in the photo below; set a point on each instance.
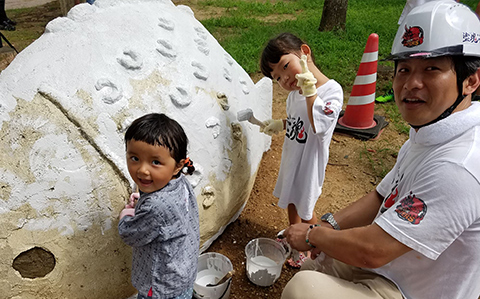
(470, 3)
(31, 23)
(247, 25)
(395, 118)
(245, 28)
(381, 161)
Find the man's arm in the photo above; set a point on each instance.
(360, 213)
(368, 246)
(359, 242)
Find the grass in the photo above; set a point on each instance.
(31, 23)
(243, 30)
(338, 53)
(395, 118)
(380, 160)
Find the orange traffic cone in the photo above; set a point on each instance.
(358, 118)
(359, 111)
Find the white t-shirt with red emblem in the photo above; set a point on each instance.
(305, 153)
(432, 205)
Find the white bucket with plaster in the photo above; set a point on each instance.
(265, 259)
(212, 267)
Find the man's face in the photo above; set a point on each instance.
(424, 88)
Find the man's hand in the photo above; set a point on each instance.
(272, 126)
(296, 236)
(306, 81)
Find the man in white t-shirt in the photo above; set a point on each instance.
(418, 234)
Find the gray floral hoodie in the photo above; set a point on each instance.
(165, 237)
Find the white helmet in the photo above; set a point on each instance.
(438, 28)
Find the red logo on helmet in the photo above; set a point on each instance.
(411, 209)
(412, 37)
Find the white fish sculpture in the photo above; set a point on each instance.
(65, 103)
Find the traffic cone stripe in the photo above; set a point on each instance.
(364, 89)
(367, 79)
(367, 68)
(359, 111)
(361, 100)
(369, 57)
(368, 92)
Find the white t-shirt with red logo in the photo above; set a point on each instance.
(304, 153)
(432, 205)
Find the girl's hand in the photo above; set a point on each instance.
(132, 200)
(315, 252)
(127, 212)
(272, 126)
(296, 236)
(306, 80)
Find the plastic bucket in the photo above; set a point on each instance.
(265, 259)
(212, 267)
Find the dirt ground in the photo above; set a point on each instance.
(355, 167)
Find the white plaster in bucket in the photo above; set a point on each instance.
(265, 258)
(212, 266)
(65, 103)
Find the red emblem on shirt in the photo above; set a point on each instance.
(391, 199)
(411, 209)
(327, 110)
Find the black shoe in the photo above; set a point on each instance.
(11, 22)
(5, 26)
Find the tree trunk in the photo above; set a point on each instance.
(334, 15)
(66, 5)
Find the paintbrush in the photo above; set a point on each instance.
(224, 278)
(247, 114)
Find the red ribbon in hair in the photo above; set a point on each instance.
(188, 162)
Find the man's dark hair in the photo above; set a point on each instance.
(284, 43)
(159, 129)
(464, 67)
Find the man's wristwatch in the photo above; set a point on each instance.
(328, 217)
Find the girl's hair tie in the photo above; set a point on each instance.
(188, 167)
(188, 162)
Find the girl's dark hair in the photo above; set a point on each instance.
(159, 129)
(282, 44)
